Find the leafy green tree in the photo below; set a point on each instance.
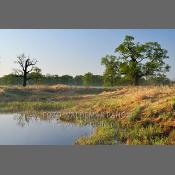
(111, 73)
(66, 79)
(88, 79)
(10, 79)
(51, 79)
(78, 80)
(36, 75)
(158, 80)
(140, 60)
(97, 80)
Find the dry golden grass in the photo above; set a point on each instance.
(153, 100)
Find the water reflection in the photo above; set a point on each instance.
(33, 129)
(24, 119)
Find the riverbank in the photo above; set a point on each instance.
(140, 115)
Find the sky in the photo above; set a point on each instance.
(74, 51)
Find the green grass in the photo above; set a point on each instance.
(102, 136)
(140, 134)
(34, 106)
(42, 98)
(135, 115)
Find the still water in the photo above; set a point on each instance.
(16, 129)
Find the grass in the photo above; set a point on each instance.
(135, 115)
(148, 112)
(33, 106)
(138, 134)
(42, 98)
(102, 135)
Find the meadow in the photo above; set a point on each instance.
(138, 114)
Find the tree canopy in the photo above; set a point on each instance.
(135, 60)
(111, 73)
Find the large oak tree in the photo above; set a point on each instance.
(136, 60)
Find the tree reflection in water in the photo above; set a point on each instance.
(24, 119)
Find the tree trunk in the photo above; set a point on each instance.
(112, 81)
(112, 84)
(25, 79)
(136, 81)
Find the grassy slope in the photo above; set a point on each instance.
(147, 112)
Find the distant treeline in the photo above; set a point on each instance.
(87, 79)
(80, 80)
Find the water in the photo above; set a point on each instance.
(16, 129)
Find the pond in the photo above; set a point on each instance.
(17, 129)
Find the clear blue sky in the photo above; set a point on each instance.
(74, 51)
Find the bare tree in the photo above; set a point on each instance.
(26, 66)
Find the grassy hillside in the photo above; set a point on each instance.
(140, 115)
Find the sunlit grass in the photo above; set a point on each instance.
(103, 135)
